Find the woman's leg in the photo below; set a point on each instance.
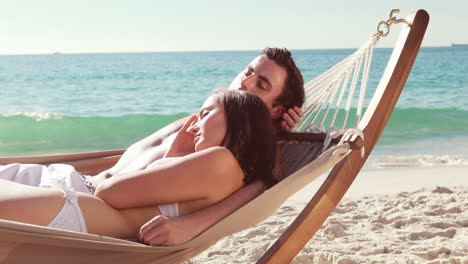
(39, 206)
(28, 204)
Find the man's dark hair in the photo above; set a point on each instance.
(293, 92)
(250, 134)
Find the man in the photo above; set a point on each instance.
(272, 76)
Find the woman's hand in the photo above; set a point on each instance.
(183, 143)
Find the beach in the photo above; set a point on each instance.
(111, 81)
(389, 215)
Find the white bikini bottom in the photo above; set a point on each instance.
(56, 176)
(70, 216)
(65, 178)
(169, 209)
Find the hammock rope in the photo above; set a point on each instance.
(326, 93)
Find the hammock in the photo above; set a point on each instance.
(306, 155)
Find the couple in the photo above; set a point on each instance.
(172, 185)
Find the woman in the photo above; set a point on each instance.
(228, 144)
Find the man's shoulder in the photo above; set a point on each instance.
(164, 134)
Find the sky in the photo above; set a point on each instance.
(95, 26)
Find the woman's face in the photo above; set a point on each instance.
(210, 127)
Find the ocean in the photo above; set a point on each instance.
(65, 103)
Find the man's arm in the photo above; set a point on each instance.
(169, 231)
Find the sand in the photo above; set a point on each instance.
(392, 215)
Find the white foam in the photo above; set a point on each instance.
(417, 161)
(37, 116)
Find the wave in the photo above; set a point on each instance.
(405, 124)
(409, 124)
(27, 134)
(417, 161)
(416, 124)
(35, 115)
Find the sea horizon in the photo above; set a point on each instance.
(458, 45)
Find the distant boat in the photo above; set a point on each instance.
(459, 45)
(58, 53)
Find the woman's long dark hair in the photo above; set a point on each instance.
(250, 134)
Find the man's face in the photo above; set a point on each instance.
(264, 78)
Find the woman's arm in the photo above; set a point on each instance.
(170, 231)
(209, 174)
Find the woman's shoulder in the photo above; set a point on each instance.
(207, 159)
(218, 160)
(218, 151)
(218, 155)
(221, 166)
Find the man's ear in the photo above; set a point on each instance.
(277, 111)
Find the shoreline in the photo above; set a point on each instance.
(372, 181)
(390, 180)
